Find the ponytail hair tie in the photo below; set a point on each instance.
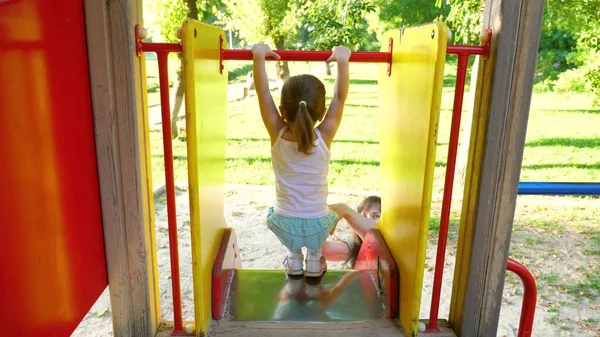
(303, 103)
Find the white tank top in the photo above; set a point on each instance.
(300, 179)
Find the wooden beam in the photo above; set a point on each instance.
(120, 124)
(501, 111)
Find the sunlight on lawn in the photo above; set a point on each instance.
(562, 137)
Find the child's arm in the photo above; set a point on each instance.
(270, 116)
(357, 222)
(332, 120)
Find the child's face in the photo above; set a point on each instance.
(373, 213)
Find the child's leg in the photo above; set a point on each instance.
(336, 251)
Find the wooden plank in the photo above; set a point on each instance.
(499, 128)
(122, 146)
(380, 328)
(347, 329)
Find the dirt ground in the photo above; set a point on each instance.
(245, 209)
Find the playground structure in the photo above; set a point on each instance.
(393, 255)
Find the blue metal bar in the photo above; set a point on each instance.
(546, 188)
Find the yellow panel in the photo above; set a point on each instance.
(409, 114)
(206, 111)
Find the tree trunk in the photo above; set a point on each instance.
(178, 99)
(465, 137)
(192, 12)
(328, 68)
(283, 71)
(192, 9)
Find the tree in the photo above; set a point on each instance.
(397, 14)
(326, 24)
(569, 39)
(274, 21)
(464, 18)
(169, 15)
(579, 18)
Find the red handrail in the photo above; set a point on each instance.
(162, 52)
(463, 53)
(307, 55)
(529, 297)
(461, 74)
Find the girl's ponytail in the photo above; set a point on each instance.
(302, 128)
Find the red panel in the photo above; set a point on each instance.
(228, 259)
(375, 255)
(53, 266)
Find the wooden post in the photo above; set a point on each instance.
(120, 124)
(496, 149)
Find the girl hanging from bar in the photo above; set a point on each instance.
(300, 155)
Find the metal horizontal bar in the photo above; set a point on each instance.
(465, 50)
(306, 55)
(158, 47)
(550, 188)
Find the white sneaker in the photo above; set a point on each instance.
(315, 267)
(293, 264)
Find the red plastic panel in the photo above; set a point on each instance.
(228, 259)
(375, 255)
(53, 267)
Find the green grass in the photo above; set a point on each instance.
(563, 138)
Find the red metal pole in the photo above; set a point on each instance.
(307, 55)
(459, 92)
(529, 297)
(159, 46)
(163, 75)
(465, 50)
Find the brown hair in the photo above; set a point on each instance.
(368, 203)
(302, 118)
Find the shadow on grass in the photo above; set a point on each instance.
(354, 81)
(592, 166)
(350, 141)
(252, 160)
(580, 143)
(361, 105)
(236, 73)
(585, 111)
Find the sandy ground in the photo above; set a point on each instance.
(245, 209)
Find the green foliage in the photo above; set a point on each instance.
(326, 24)
(263, 20)
(555, 53)
(464, 19)
(397, 14)
(169, 14)
(592, 76)
(579, 21)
